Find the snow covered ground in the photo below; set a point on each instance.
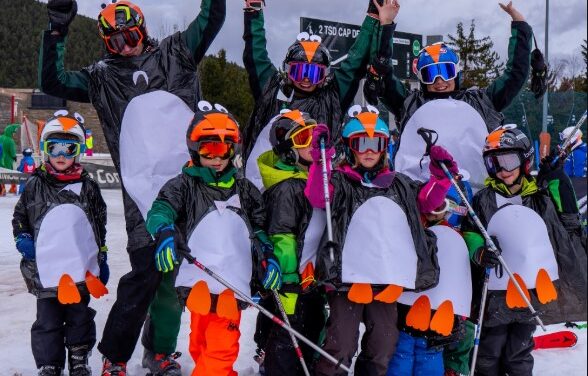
(17, 311)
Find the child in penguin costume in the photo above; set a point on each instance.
(462, 117)
(536, 246)
(59, 224)
(305, 80)
(380, 246)
(295, 229)
(145, 94)
(212, 213)
(434, 322)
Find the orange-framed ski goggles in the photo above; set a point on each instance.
(216, 149)
(302, 137)
(117, 41)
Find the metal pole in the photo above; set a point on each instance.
(480, 322)
(545, 97)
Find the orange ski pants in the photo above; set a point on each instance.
(214, 344)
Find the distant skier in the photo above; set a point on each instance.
(26, 166)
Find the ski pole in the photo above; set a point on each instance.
(327, 198)
(480, 322)
(192, 260)
(563, 148)
(427, 135)
(294, 340)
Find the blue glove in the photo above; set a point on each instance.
(102, 263)
(165, 252)
(272, 279)
(26, 246)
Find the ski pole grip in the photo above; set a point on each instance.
(428, 135)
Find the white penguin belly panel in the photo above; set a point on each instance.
(461, 131)
(524, 241)
(153, 144)
(221, 243)
(262, 144)
(65, 244)
(455, 279)
(379, 248)
(312, 238)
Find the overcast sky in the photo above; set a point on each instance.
(567, 20)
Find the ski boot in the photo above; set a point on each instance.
(50, 371)
(161, 364)
(113, 369)
(259, 357)
(77, 358)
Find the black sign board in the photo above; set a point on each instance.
(339, 37)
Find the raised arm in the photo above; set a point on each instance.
(507, 86)
(255, 57)
(201, 32)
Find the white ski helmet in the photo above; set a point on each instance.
(64, 123)
(576, 140)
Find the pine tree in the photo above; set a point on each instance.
(480, 63)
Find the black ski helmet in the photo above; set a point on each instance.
(281, 131)
(509, 138)
(308, 49)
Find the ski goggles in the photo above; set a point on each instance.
(447, 71)
(498, 162)
(216, 149)
(302, 137)
(363, 143)
(57, 147)
(299, 71)
(116, 42)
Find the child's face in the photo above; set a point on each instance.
(304, 153)
(305, 86)
(508, 177)
(61, 163)
(217, 163)
(369, 159)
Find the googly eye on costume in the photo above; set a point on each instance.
(354, 110)
(509, 126)
(204, 106)
(60, 113)
(303, 37)
(372, 109)
(316, 38)
(220, 108)
(79, 118)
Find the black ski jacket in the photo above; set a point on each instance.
(42, 193)
(488, 102)
(113, 82)
(570, 254)
(348, 196)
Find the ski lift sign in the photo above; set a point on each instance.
(339, 37)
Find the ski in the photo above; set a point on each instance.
(557, 340)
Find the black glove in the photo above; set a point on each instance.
(538, 72)
(458, 333)
(548, 171)
(374, 83)
(485, 257)
(61, 14)
(372, 10)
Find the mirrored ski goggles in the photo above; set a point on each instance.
(302, 137)
(498, 162)
(363, 143)
(116, 42)
(55, 147)
(447, 71)
(299, 71)
(216, 149)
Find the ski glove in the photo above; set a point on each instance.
(165, 252)
(103, 264)
(372, 10)
(485, 257)
(61, 14)
(265, 244)
(320, 132)
(272, 279)
(288, 300)
(25, 244)
(439, 155)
